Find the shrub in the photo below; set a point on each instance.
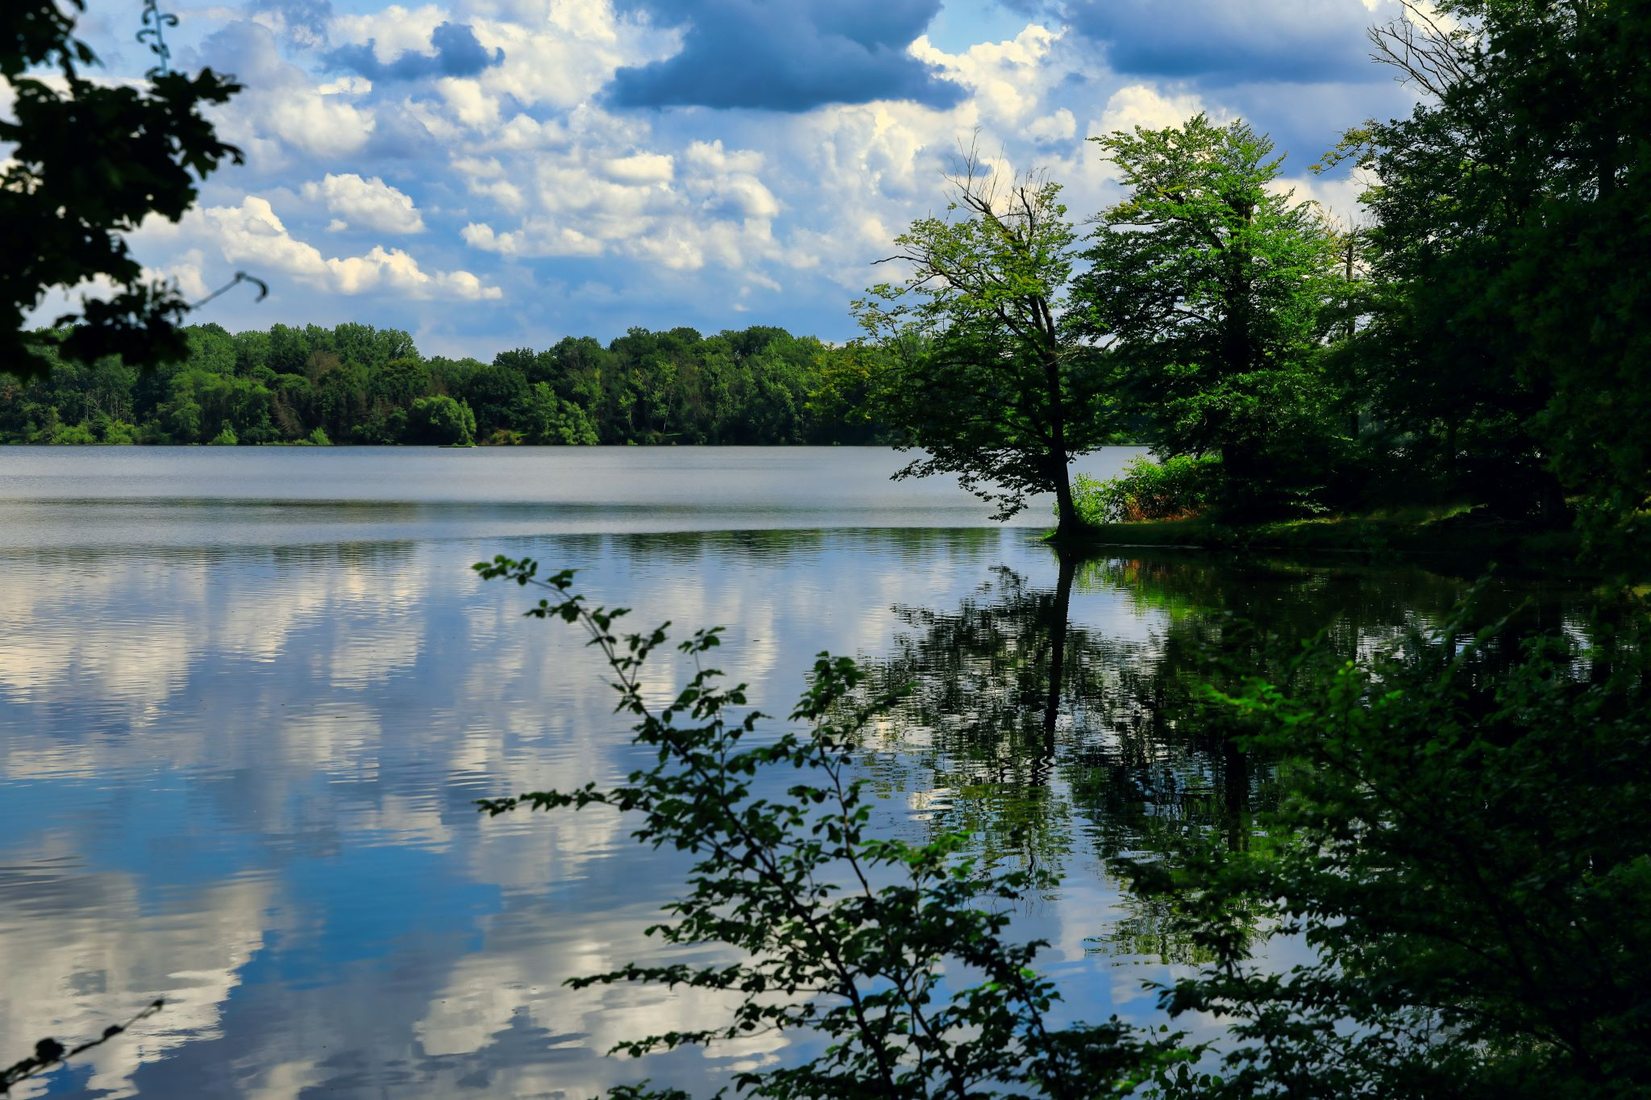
(1177, 488)
(441, 420)
(72, 435)
(117, 432)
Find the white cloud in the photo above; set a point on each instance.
(366, 203)
(284, 112)
(1003, 77)
(393, 30)
(712, 157)
(470, 104)
(529, 161)
(564, 56)
(536, 237)
(640, 169)
(253, 234)
(1144, 105)
(187, 271)
(1059, 125)
(346, 85)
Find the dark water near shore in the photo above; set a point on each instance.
(248, 699)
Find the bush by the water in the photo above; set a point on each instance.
(1180, 487)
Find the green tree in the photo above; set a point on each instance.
(1509, 230)
(578, 367)
(1209, 286)
(441, 420)
(87, 162)
(547, 418)
(982, 369)
(494, 392)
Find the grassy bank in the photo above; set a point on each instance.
(1456, 532)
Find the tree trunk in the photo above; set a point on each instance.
(1067, 523)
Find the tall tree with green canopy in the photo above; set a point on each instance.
(983, 370)
(1208, 284)
(88, 162)
(1510, 227)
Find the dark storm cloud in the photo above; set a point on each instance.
(457, 53)
(1293, 41)
(786, 55)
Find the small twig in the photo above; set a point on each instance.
(153, 35)
(240, 277)
(49, 1052)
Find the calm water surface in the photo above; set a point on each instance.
(248, 698)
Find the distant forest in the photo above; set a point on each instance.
(358, 384)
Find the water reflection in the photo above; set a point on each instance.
(1061, 716)
(242, 776)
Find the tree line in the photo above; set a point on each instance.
(358, 384)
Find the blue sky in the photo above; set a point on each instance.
(500, 173)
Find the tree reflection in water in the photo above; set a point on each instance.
(1046, 739)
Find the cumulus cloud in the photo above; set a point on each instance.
(525, 136)
(253, 234)
(707, 207)
(455, 51)
(366, 203)
(284, 111)
(639, 169)
(1151, 109)
(1262, 40)
(1005, 80)
(787, 55)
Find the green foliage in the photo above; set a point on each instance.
(1211, 287)
(1180, 487)
(1508, 331)
(547, 418)
(1462, 843)
(70, 434)
(116, 432)
(358, 384)
(1448, 837)
(868, 943)
(226, 437)
(980, 368)
(87, 162)
(441, 420)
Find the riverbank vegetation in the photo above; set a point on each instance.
(1478, 339)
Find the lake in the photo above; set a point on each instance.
(248, 698)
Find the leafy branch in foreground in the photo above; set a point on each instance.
(881, 947)
(50, 1052)
(89, 161)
